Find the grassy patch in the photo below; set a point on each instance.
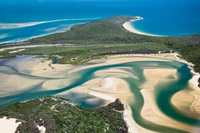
(82, 54)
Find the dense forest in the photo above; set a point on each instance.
(58, 115)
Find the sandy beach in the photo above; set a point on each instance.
(8, 125)
(150, 111)
(107, 85)
(127, 25)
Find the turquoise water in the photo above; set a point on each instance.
(163, 91)
(166, 17)
(178, 20)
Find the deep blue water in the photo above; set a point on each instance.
(169, 17)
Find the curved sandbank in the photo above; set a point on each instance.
(107, 84)
(131, 28)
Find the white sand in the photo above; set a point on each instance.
(194, 81)
(150, 110)
(12, 84)
(42, 129)
(15, 51)
(56, 84)
(126, 114)
(152, 113)
(154, 76)
(102, 96)
(118, 72)
(8, 125)
(108, 84)
(129, 27)
(187, 102)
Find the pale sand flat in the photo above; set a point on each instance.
(98, 85)
(8, 125)
(150, 110)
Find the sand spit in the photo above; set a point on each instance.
(150, 110)
(107, 85)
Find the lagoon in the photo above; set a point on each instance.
(83, 84)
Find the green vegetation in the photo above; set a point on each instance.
(110, 32)
(59, 116)
(90, 41)
(82, 54)
(190, 52)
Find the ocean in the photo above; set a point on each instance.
(22, 20)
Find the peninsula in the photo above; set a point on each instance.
(92, 65)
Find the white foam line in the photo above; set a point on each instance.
(28, 24)
(50, 29)
(2, 36)
(31, 37)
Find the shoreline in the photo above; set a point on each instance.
(28, 24)
(24, 40)
(173, 57)
(127, 25)
(196, 75)
(94, 88)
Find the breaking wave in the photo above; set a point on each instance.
(28, 24)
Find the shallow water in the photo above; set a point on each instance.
(163, 91)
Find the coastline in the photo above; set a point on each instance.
(23, 40)
(173, 57)
(196, 75)
(108, 89)
(127, 25)
(29, 24)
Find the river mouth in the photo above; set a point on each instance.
(147, 85)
